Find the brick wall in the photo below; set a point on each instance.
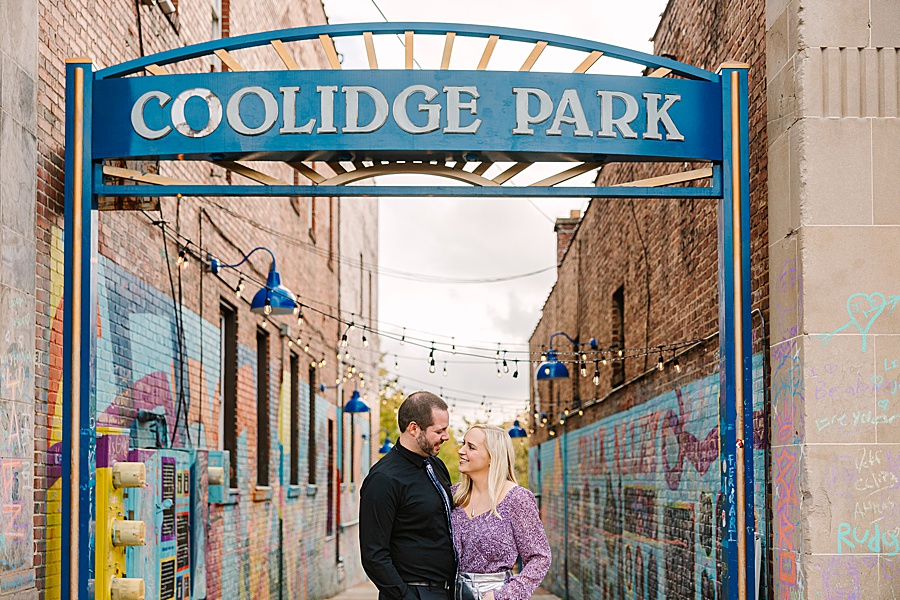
(663, 255)
(139, 361)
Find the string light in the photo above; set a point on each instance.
(583, 369)
(596, 374)
(396, 364)
(603, 359)
(543, 354)
(365, 341)
(299, 316)
(344, 341)
(660, 363)
(264, 324)
(445, 369)
(239, 288)
(516, 372)
(505, 365)
(267, 309)
(182, 259)
(403, 337)
(290, 343)
(675, 364)
(453, 349)
(322, 362)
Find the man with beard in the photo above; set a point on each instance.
(404, 526)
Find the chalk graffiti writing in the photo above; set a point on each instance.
(850, 537)
(864, 310)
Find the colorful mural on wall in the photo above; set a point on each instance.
(139, 368)
(642, 488)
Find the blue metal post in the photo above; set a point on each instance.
(79, 343)
(735, 339)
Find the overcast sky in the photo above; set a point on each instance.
(468, 238)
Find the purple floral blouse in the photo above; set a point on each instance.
(486, 544)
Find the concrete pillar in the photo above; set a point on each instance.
(18, 160)
(833, 74)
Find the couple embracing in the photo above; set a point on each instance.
(422, 538)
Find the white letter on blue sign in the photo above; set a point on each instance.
(270, 110)
(213, 104)
(290, 112)
(433, 110)
(454, 106)
(352, 103)
(607, 121)
(525, 118)
(570, 99)
(655, 114)
(327, 104)
(137, 115)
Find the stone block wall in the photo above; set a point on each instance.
(18, 123)
(834, 139)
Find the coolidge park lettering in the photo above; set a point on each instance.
(363, 115)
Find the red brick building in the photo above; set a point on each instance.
(627, 467)
(173, 336)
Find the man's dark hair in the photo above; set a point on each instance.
(418, 407)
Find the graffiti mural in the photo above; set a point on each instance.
(643, 491)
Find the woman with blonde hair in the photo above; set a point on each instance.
(495, 522)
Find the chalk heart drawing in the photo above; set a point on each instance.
(864, 309)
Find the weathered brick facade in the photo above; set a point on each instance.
(640, 467)
(260, 541)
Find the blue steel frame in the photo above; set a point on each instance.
(84, 183)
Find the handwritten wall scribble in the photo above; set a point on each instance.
(864, 310)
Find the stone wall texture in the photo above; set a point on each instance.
(834, 192)
(158, 328)
(18, 133)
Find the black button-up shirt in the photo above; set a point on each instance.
(404, 535)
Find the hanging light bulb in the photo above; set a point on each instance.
(344, 341)
(306, 347)
(505, 366)
(584, 356)
(602, 359)
(351, 326)
(299, 316)
(660, 363)
(596, 373)
(296, 309)
(365, 341)
(445, 369)
(583, 369)
(337, 381)
(676, 365)
(322, 362)
(580, 412)
(239, 288)
(264, 324)
(267, 309)
(403, 337)
(299, 341)
(182, 259)
(290, 343)
(499, 373)
(543, 355)
(498, 351)
(621, 352)
(516, 372)
(453, 349)
(396, 364)
(431, 366)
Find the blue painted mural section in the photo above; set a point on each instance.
(641, 490)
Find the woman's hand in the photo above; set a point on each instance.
(489, 595)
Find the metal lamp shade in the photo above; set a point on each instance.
(386, 446)
(281, 300)
(552, 369)
(355, 405)
(517, 431)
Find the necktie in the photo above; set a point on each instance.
(441, 492)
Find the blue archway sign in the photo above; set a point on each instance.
(454, 125)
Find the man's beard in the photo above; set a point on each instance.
(424, 445)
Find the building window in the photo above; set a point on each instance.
(329, 512)
(311, 453)
(295, 419)
(618, 335)
(262, 408)
(228, 429)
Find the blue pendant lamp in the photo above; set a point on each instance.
(274, 298)
(517, 431)
(355, 404)
(552, 368)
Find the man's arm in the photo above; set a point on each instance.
(378, 501)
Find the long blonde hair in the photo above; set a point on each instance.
(502, 467)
